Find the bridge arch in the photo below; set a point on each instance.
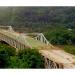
(12, 42)
(50, 64)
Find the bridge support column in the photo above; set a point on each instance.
(49, 64)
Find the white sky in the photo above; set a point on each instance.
(37, 2)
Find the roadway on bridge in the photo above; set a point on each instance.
(26, 40)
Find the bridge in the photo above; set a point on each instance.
(54, 57)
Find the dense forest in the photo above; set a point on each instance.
(27, 58)
(38, 19)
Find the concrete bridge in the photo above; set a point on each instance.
(54, 57)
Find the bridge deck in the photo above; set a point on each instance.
(63, 56)
(60, 56)
(25, 40)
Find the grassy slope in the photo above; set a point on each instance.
(68, 48)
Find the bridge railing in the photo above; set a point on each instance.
(42, 38)
(9, 27)
(38, 36)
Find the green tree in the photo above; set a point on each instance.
(5, 52)
(31, 58)
(27, 58)
(61, 36)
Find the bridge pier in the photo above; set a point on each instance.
(49, 64)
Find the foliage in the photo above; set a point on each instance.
(32, 58)
(27, 58)
(4, 57)
(38, 19)
(61, 36)
(10, 50)
(69, 49)
(5, 53)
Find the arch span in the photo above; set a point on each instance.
(12, 42)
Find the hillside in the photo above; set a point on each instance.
(37, 18)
